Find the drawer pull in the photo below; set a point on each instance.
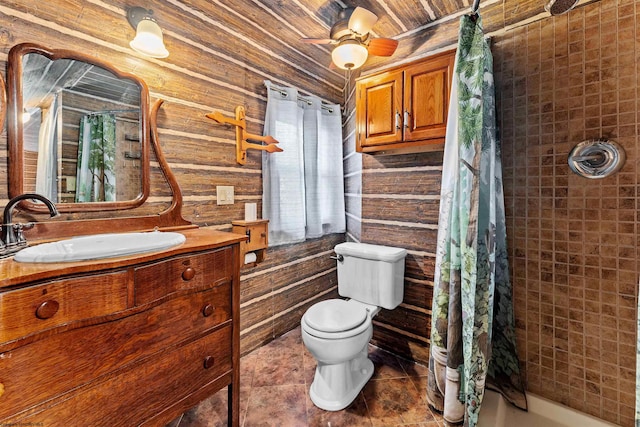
(208, 362)
(47, 309)
(188, 274)
(208, 310)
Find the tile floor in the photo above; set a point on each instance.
(274, 391)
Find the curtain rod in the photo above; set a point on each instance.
(135, 110)
(284, 94)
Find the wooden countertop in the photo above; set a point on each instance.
(14, 273)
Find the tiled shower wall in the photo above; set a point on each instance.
(573, 241)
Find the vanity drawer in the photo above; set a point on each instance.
(37, 308)
(208, 269)
(92, 352)
(144, 390)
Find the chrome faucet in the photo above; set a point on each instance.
(11, 237)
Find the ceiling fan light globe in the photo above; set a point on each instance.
(362, 20)
(349, 55)
(148, 40)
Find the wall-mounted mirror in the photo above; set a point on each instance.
(78, 131)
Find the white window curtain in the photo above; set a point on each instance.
(303, 186)
(47, 170)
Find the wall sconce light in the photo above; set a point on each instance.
(148, 40)
(29, 113)
(349, 55)
(26, 116)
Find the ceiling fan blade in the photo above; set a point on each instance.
(318, 41)
(362, 21)
(382, 47)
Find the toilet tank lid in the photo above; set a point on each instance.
(369, 251)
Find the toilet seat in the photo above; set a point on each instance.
(335, 315)
(336, 319)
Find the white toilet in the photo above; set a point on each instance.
(337, 332)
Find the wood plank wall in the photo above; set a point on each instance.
(220, 54)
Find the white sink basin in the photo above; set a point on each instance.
(100, 246)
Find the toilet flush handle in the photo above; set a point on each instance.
(339, 258)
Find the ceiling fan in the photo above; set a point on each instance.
(350, 34)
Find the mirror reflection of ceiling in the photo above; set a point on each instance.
(42, 78)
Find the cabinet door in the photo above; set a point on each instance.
(379, 110)
(426, 98)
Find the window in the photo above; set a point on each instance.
(303, 186)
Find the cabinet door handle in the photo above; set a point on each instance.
(406, 119)
(188, 274)
(47, 309)
(397, 119)
(208, 310)
(208, 362)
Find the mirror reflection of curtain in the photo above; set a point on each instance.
(95, 179)
(47, 173)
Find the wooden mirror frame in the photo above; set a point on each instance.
(16, 137)
(3, 102)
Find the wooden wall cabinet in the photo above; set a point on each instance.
(404, 109)
(136, 341)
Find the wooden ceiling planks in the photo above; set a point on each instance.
(251, 43)
(442, 8)
(396, 19)
(412, 14)
(271, 31)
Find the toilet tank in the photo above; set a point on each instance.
(371, 274)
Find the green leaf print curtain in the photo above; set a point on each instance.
(472, 332)
(95, 178)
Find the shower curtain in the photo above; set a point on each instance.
(472, 332)
(95, 177)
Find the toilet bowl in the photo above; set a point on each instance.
(337, 331)
(341, 352)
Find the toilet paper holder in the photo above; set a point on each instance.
(254, 250)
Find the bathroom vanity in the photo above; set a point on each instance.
(121, 340)
(126, 341)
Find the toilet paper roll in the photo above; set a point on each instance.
(250, 257)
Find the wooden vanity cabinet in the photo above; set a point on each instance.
(134, 342)
(404, 109)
